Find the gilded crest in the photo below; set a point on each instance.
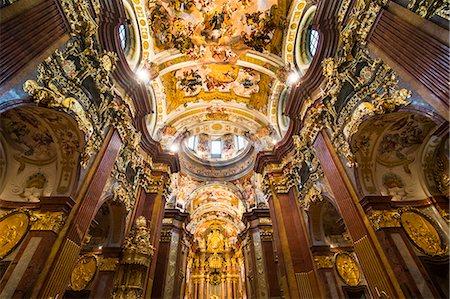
(13, 228)
(83, 273)
(422, 233)
(347, 268)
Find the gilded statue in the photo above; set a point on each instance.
(215, 241)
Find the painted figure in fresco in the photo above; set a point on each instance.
(249, 192)
(229, 147)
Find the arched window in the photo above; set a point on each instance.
(313, 41)
(129, 36)
(123, 35)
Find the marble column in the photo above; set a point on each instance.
(151, 206)
(262, 258)
(300, 274)
(377, 270)
(55, 277)
(171, 259)
(30, 259)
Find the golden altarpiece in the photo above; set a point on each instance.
(224, 149)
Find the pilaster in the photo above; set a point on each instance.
(379, 275)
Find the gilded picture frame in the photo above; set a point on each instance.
(13, 227)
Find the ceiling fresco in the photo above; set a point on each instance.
(218, 30)
(390, 152)
(217, 81)
(212, 51)
(217, 68)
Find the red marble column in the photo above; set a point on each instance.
(55, 278)
(22, 273)
(409, 270)
(174, 259)
(377, 271)
(104, 280)
(152, 208)
(300, 273)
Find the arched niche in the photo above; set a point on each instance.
(102, 242)
(402, 155)
(326, 225)
(107, 229)
(39, 154)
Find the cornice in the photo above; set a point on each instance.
(326, 23)
(112, 16)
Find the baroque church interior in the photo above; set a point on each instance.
(207, 149)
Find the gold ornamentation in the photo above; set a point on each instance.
(215, 261)
(167, 221)
(265, 221)
(422, 233)
(384, 218)
(280, 183)
(343, 10)
(48, 221)
(266, 234)
(83, 273)
(52, 98)
(429, 8)
(137, 248)
(323, 261)
(108, 264)
(347, 268)
(13, 228)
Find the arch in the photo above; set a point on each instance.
(41, 151)
(108, 227)
(396, 156)
(326, 224)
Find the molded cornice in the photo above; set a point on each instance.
(326, 23)
(112, 16)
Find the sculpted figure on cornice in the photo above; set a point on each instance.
(137, 255)
(356, 85)
(77, 79)
(138, 243)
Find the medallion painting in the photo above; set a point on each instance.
(13, 228)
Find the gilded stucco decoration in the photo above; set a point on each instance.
(83, 272)
(323, 262)
(423, 234)
(14, 227)
(431, 8)
(347, 268)
(108, 264)
(370, 85)
(384, 219)
(137, 246)
(52, 221)
(77, 80)
(137, 253)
